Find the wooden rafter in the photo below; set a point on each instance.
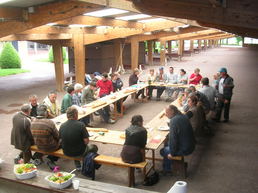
(34, 37)
(98, 21)
(46, 13)
(188, 35)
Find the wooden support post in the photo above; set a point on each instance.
(199, 44)
(209, 43)
(134, 53)
(118, 51)
(205, 44)
(79, 58)
(191, 45)
(150, 52)
(169, 47)
(180, 48)
(59, 66)
(162, 53)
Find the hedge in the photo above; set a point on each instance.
(9, 58)
(51, 57)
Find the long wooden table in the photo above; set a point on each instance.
(103, 102)
(155, 136)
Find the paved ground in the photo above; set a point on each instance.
(224, 163)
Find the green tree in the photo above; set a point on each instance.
(9, 58)
(51, 57)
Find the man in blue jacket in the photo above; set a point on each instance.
(181, 137)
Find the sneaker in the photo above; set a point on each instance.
(111, 121)
(17, 160)
(51, 164)
(36, 162)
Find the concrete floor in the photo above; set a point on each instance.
(224, 163)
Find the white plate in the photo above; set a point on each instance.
(164, 128)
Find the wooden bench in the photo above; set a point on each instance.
(102, 159)
(179, 164)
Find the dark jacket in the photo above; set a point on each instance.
(117, 85)
(181, 136)
(133, 79)
(135, 141)
(89, 166)
(21, 136)
(228, 90)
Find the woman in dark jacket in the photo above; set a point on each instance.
(135, 141)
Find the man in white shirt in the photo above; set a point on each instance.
(171, 79)
(208, 91)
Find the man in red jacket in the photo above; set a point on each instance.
(106, 87)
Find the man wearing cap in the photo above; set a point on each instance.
(21, 136)
(225, 88)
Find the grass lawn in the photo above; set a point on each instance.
(6, 72)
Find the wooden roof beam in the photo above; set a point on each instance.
(201, 37)
(188, 35)
(11, 13)
(47, 13)
(56, 30)
(33, 37)
(161, 34)
(99, 21)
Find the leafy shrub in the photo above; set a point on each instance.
(9, 58)
(51, 57)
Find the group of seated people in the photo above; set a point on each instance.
(167, 78)
(33, 124)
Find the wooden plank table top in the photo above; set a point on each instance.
(101, 102)
(9, 183)
(173, 85)
(155, 136)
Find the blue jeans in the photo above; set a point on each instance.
(167, 163)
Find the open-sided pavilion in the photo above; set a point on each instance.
(77, 24)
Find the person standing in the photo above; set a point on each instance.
(135, 140)
(21, 137)
(181, 137)
(195, 78)
(74, 137)
(225, 88)
(67, 99)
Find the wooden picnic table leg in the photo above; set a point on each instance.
(115, 111)
(131, 177)
(122, 107)
(153, 158)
